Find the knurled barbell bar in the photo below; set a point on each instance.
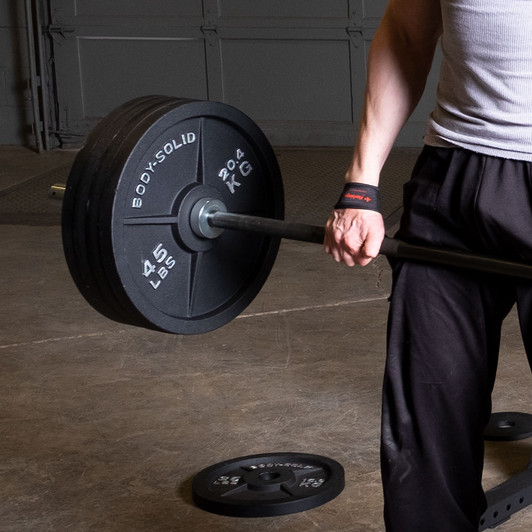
(147, 202)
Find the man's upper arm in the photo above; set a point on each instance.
(417, 21)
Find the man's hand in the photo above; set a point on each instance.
(354, 236)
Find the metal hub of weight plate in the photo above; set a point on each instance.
(126, 214)
(268, 485)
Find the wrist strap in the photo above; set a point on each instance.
(359, 196)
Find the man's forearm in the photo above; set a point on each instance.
(398, 68)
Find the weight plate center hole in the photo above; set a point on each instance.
(269, 475)
(269, 480)
(505, 424)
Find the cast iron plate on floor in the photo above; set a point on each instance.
(268, 485)
(508, 426)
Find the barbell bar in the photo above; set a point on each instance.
(173, 213)
(213, 214)
(220, 219)
(390, 247)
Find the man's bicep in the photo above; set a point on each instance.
(418, 21)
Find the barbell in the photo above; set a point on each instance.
(173, 212)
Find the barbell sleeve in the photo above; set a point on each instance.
(56, 192)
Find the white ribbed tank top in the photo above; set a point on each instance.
(484, 98)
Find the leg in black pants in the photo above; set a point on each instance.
(443, 337)
(443, 341)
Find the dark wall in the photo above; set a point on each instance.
(297, 68)
(15, 104)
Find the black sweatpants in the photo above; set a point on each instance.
(444, 335)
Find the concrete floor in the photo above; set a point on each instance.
(103, 426)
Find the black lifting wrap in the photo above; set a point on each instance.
(359, 196)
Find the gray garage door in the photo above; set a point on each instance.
(297, 67)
